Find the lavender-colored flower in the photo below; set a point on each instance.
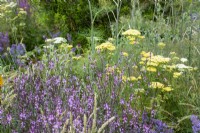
(69, 37)
(194, 16)
(1, 48)
(4, 41)
(22, 115)
(20, 49)
(51, 64)
(24, 4)
(144, 117)
(195, 123)
(79, 45)
(73, 49)
(1, 114)
(54, 35)
(17, 49)
(8, 118)
(122, 102)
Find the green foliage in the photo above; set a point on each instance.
(170, 22)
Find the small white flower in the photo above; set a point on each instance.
(181, 67)
(59, 40)
(183, 60)
(49, 40)
(49, 47)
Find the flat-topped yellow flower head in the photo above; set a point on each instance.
(1, 81)
(167, 89)
(125, 54)
(105, 46)
(151, 69)
(131, 32)
(157, 85)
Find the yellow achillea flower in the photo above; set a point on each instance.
(161, 45)
(141, 37)
(124, 78)
(139, 90)
(118, 70)
(169, 67)
(1, 81)
(139, 77)
(160, 59)
(150, 63)
(69, 47)
(146, 54)
(131, 32)
(132, 78)
(125, 54)
(76, 57)
(172, 53)
(157, 85)
(132, 40)
(151, 69)
(141, 63)
(110, 70)
(143, 59)
(177, 74)
(109, 46)
(135, 67)
(167, 89)
(175, 59)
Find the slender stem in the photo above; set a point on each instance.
(118, 4)
(92, 26)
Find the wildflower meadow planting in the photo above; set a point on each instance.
(99, 66)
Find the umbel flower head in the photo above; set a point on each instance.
(156, 85)
(131, 32)
(161, 45)
(168, 88)
(125, 54)
(105, 46)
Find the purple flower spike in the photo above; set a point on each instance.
(195, 124)
(69, 38)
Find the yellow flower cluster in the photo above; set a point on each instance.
(76, 57)
(161, 45)
(1, 81)
(109, 69)
(125, 54)
(139, 90)
(105, 46)
(132, 34)
(65, 46)
(152, 61)
(112, 69)
(131, 78)
(177, 74)
(158, 85)
(146, 54)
